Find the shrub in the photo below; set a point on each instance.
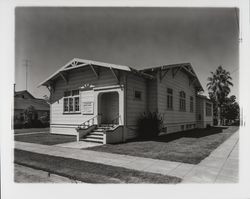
(46, 124)
(18, 126)
(36, 124)
(149, 125)
(215, 122)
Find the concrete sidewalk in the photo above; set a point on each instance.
(218, 167)
(221, 166)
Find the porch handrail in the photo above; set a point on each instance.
(87, 123)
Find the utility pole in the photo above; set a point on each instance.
(26, 65)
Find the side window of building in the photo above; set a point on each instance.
(182, 101)
(191, 104)
(169, 98)
(208, 109)
(71, 101)
(137, 95)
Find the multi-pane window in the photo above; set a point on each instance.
(191, 104)
(71, 104)
(65, 104)
(182, 101)
(77, 104)
(169, 98)
(208, 109)
(71, 101)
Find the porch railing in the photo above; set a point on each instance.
(90, 122)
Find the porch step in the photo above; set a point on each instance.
(96, 133)
(99, 137)
(92, 140)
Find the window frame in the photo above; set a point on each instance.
(170, 97)
(71, 96)
(208, 109)
(191, 104)
(182, 101)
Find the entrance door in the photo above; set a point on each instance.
(109, 108)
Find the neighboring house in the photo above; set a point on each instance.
(107, 99)
(23, 100)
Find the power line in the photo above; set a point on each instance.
(237, 18)
(26, 65)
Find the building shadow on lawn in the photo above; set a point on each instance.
(194, 133)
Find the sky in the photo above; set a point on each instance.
(138, 37)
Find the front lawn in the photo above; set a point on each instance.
(187, 147)
(45, 138)
(87, 171)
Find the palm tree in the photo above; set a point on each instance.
(219, 87)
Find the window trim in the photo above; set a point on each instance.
(210, 110)
(170, 96)
(182, 101)
(191, 102)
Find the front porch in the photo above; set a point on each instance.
(107, 124)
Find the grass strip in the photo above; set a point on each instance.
(46, 138)
(87, 171)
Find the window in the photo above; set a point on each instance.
(77, 104)
(182, 101)
(191, 104)
(66, 104)
(182, 127)
(137, 95)
(208, 109)
(71, 101)
(169, 98)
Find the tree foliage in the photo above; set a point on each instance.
(30, 113)
(31, 118)
(230, 110)
(219, 87)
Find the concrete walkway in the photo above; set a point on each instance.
(220, 166)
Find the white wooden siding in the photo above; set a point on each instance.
(173, 119)
(152, 95)
(134, 106)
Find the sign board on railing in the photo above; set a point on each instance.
(87, 108)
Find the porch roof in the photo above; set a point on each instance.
(78, 63)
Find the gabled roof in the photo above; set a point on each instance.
(38, 104)
(23, 94)
(78, 63)
(186, 67)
